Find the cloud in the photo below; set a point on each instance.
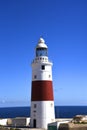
(3, 101)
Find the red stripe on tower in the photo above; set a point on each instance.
(42, 91)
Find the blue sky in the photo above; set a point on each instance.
(63, 25)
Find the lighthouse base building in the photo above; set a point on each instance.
(42, 99)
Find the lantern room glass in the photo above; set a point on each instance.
(41, 52)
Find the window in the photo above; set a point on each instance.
(43, 67)
(51, 105)
(35, 105)
(35, 76)
(49, 75)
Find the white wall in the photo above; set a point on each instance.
(28, 121)
(43, 113)
(3, 121)
(42, 74)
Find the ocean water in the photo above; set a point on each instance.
(70, 111)
(60, 111)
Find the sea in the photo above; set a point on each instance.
(60, 111)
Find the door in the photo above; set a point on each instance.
(34, 123)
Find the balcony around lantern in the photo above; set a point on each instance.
(42, 59)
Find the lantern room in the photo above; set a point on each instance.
(41, 48)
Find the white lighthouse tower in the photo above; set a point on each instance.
(42, 99)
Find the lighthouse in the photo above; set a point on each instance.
(42, 98)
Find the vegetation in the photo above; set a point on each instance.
(14, 129)
(6, 128)
(80, 122)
